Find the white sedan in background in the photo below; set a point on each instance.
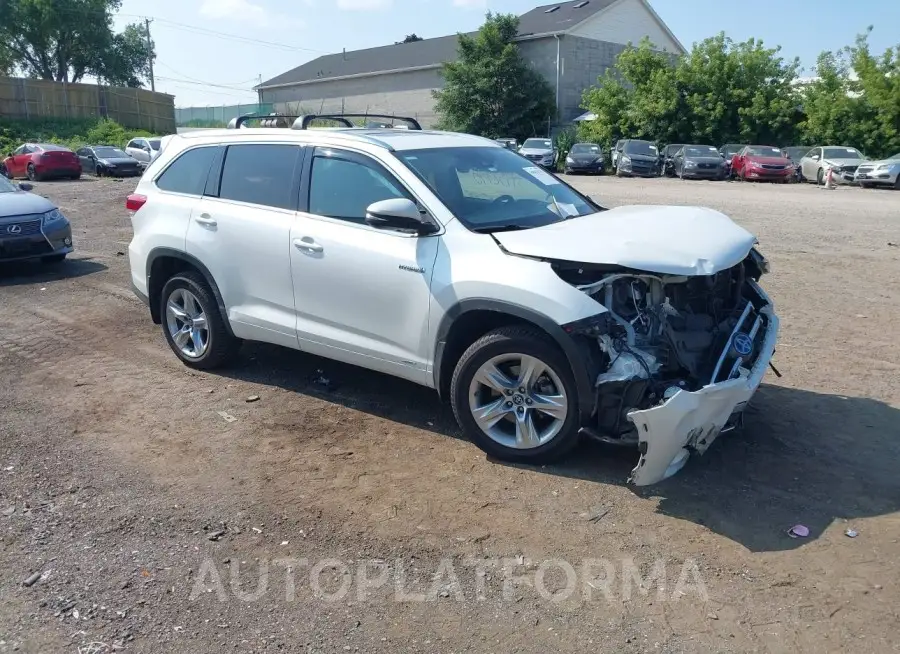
(885, 172)
(842, 160)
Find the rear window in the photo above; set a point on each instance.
(154, 144)
(260, 174)
(49, 147)
(187, 174)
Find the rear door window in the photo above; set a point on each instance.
(188, 173)
(261, 174)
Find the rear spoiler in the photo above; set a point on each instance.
(303, 122)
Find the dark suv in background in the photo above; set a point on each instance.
(638, 158)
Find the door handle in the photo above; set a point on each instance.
(205, 219)
(307, 244)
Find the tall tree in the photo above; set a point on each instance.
(65, 40)
(490, 89)
(721, 91)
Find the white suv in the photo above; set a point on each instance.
(448, 260)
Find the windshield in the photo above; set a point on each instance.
(672, 149)
(894, 156)
(110, 153)
(492, 189)
(154, 144)
(733, 149)
(6, 186)
(842, 153)
(795, 154)
(585, 148)
(764, 151)
(538, 144)
(640, 147)
(700, 151)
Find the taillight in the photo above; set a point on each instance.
(135, 202)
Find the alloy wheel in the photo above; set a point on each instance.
(518, 401)
(187, 323)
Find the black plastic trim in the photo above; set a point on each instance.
(140, 295)
(565, 341)
(156, 253)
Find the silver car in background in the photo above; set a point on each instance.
(144, 150)
(539, 150)
(842, 159)
(885, 172)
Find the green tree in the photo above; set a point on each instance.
(65, 40)
(490, 90)
(878, 86)
(410, 38)
(721, 91)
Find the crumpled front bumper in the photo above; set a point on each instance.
(690, 421)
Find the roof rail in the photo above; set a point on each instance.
(266, 120)
(303, 122)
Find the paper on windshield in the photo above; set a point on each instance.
(541, 175)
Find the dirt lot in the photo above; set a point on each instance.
(352, 516)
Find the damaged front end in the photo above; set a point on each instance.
(678, 358)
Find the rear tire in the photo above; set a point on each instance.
(32, 174)
(219, 347)
(514, 427)
(75, 176)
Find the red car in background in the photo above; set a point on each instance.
(38, 161)
(762, 162)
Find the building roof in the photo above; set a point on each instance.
(430, 53)
(547, 20)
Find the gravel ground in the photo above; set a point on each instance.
(352, 517)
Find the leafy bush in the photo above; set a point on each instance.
(70, 133)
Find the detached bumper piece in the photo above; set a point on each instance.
(688, 422)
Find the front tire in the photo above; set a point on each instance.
(820, 177)
(193, 325)
(514, 395)
(54, 258)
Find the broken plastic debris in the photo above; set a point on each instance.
(227, 416)
(798, 531)
(852, 533)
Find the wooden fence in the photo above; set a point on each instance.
(133, 108)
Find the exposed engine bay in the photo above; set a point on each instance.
(667, 333)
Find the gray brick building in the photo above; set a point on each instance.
(570, 43)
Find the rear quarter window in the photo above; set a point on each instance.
(188, 173)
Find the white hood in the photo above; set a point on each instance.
(668, 240)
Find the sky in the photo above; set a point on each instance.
(212, 52)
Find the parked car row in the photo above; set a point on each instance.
(848, 165)
(39, 161)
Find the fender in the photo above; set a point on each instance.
(156, 253)
(574, 355)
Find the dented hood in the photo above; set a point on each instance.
(668, 240)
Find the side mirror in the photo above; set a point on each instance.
(398, 213)
(815, 157)
(26, 187)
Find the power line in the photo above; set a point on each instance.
(226, 35)
(194, 79)
(209, 84)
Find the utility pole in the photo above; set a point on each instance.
(150, 55)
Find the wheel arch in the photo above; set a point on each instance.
(162, 264)
(468, 320)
